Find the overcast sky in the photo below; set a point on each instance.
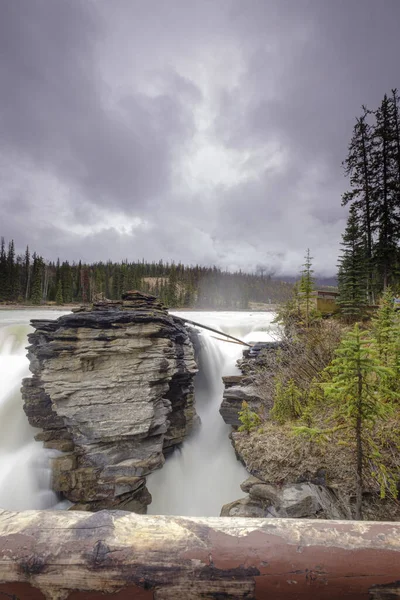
(205, 131)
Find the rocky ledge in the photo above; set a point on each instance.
(305, 496)
(245, 388)
(298, 500)
(112, 388)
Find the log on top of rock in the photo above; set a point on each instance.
(61, 556)
(114, 386)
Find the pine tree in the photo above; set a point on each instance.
(248, 418)
(3, 270)
(27, 273)
(287, 401)
(37, 272)
(385, 326)
(11, 272)
(307, 285)
(395, 110)
(358, 393)
(386, 176)
(353, 269)
(172, 289)
(66, 282)
(358, 166)
(85, 284)
(59, 294)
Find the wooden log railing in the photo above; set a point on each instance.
(76, 556)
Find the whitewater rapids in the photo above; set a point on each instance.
(195, 481)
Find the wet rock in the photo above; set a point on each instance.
(303, 500)
(232, 380)
(113, 385)
(232, 402)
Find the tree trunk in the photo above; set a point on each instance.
(61, 555)
(368, 220)
(359, 482)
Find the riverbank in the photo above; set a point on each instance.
(293, 474)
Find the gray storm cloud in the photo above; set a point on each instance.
(206, 132)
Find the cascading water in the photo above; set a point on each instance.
(24, 464)
(204, 474)
(196, 480)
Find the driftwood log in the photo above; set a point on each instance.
(77, 556)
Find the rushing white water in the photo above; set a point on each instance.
(196, 480)
(204, 474)
(24, 464)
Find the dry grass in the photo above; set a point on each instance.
(276, 455)
(302, 358)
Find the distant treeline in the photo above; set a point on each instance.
(30, 279)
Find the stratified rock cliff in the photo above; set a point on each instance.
(112, 387)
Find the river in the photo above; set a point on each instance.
(196, 480)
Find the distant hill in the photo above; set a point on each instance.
(319, 280)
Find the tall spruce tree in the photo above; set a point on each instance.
(11, 272)
(59, 293)
(3, 270)
(386, 212)
(37, 274)
(358, 397)
(386, 328)
(358, 167)
(27, 273)
(353, 269)
(307, 285)
(359, 394)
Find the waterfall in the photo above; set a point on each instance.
(24, 464)
(204, 474)
(196, 480)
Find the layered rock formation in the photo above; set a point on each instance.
(245, 387)
(112, 387)
(236, 391)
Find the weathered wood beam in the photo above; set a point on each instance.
(76, 556)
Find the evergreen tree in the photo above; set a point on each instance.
(85, 284)
(395, 106)
(358, 166)
(287, 401)
(3, 270)
(66, 282)
(172, 290)
(11, 272)
(248, 418)
(307, 285)
(353, 269)
(37, 269)
(385, 326)
(359, 395)
(27, 273)
(59, 293)
(386, 177)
